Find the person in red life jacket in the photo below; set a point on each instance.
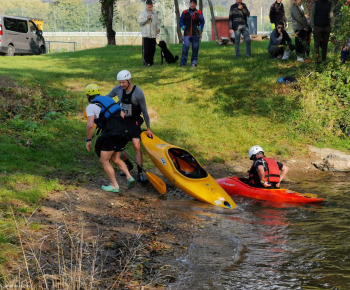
(191, 22)
(133, 102)
(108, 116)
(265, 172)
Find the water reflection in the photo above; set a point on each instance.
(261, 245)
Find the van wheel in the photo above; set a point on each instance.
(42, 50)
(10, 50)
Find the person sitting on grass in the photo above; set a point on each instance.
(280, 44)
(345, 52)
(265, 172)
(109, 117)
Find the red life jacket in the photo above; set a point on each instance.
(192, 22)
(272, 174)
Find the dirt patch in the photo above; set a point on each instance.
(128, 239)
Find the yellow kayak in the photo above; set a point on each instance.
(185, 172)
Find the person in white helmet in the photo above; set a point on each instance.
(133, 103)
(265, 172)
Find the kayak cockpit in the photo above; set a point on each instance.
(186, 164)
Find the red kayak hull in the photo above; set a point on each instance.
(235, 186)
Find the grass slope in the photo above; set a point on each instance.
(216, 111)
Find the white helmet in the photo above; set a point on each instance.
(255, 150)
(124, 75)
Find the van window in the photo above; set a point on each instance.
(10, 24)
(22, 26)
(32, 27)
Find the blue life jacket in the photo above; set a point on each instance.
(109, 108)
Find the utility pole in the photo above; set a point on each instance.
(88, 19)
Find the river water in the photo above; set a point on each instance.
(262, 245)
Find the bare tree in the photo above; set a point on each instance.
(107, 11)
(177, 12)
(213, 20)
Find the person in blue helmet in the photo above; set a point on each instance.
(109, 117)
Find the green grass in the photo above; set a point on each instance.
(216, 111)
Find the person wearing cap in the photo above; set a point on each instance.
(150, 27)
(191, 22)
(108, 116)
(265, 172)
(133, 103)
(238, 25)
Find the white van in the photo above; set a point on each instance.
(20, 35)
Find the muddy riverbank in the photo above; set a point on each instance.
(129, 240)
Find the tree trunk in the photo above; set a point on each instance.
(109, 24)
(177, 12)
(213, 20)
(107, 9)
(201, 9)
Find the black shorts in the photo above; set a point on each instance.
(114, 143)
(134, 126)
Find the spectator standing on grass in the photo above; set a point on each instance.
(150, 27)
(191, 22)
(108, 116)
(239, 26)
(322, 20)
(133, 103)
(345, 52)
(277, 13)
(301, 28)
(280, 43)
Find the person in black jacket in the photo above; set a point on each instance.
(280, 44)
(277, 13)
(238, 24)
(191, 22)
(322, 20)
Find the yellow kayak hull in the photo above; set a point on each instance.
(167, 159)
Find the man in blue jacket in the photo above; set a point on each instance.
(191, 22)
(280, 43)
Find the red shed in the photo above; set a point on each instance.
(222, 25)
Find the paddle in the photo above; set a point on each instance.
(154, 179)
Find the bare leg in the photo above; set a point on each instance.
(120, 163)
(108, 168)
(137, 147)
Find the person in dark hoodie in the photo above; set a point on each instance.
(322, 20)
(280, 43)
(238, 24)
(277, 13)
(191, 22)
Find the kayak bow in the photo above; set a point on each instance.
(237, 186)
(185, 172)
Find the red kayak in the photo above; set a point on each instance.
(237, 186)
